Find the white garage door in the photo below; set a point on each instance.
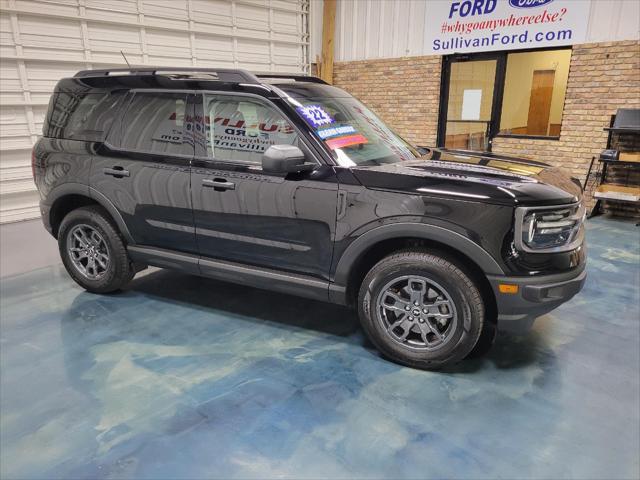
(43, 41)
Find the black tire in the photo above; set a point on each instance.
(462, 294)
(486, 340)
(119, 268)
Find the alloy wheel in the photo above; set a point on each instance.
(88, 251)
(417, 312)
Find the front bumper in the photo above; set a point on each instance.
(536, 296)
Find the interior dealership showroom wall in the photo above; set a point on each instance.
(406, 90)
(320, 239)
(43, 41)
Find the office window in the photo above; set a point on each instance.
(154, 123)
(240, 129)
(492, 94)
(534, 89)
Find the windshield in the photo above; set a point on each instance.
(352, 132)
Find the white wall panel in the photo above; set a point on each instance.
(315, 25)
(368, 29)
(42, 41)
(611, 20)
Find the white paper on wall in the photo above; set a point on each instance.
(471, 101)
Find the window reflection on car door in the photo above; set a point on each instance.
(143, 169)
(245, 215)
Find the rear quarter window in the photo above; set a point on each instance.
(81, 116)
(154, 122)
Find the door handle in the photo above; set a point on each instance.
(218, 184)
(117, 172)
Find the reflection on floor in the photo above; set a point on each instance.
(186, 377)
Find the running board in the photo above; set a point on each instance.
(258, 277)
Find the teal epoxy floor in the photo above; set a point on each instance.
(182, 377)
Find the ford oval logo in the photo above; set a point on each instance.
(528, 3)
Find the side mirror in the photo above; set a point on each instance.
(285, 159)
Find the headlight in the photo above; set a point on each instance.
(549, 229)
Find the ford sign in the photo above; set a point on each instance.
(528, 3)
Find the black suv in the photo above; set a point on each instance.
(284, 182)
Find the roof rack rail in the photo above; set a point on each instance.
(215, 74)
(291, 76)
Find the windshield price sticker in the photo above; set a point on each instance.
(335, 131)
(348, 141)
(315, 115)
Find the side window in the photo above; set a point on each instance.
(155, 122)
(81, 116)
(240, 129)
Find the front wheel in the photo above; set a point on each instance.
(93, 251)
(421, 310)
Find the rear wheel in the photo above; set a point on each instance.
(421, 310)
(93, 252)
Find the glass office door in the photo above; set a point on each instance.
(467, 109)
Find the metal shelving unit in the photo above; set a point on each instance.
(617, 174)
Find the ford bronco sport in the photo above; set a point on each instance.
(286, 183)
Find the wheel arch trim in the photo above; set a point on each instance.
(456, 241)
(114, 212)
(68, 189)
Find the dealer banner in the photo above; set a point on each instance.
(459, 26)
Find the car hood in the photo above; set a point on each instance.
(474, 176)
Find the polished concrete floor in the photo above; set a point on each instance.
(183, 377)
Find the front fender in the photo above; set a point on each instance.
(434, 233)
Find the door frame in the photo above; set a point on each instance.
(498, 90)
(239, 171)
(112, 150)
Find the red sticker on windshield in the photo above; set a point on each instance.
(347, 141)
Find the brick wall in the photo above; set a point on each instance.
(602, 78)
(404, 92)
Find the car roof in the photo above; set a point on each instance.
(194, 78)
